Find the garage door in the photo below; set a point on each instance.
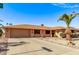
(19, 33)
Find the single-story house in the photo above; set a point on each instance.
(25, 30)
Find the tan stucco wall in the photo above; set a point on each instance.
(20, 33)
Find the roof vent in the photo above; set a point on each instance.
(42, 24)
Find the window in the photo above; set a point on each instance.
(36, 31)
(47, 31)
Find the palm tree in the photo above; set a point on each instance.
(67, 18)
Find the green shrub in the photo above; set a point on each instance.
(62, 35)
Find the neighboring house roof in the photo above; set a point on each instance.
(27, 26)
(74, 28)
(57, 27)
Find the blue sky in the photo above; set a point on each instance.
(38, 13)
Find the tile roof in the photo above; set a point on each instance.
(27, 26)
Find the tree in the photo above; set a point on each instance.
(67, 18)
(1, 28)
(1, 32)
(9, 23)
(1, 5)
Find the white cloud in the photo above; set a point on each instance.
(66, 5)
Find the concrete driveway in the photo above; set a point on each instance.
(33, 46)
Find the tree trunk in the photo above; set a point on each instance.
(68, 33)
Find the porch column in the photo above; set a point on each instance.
(32, 33)
(42, 33)
(50, 33)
